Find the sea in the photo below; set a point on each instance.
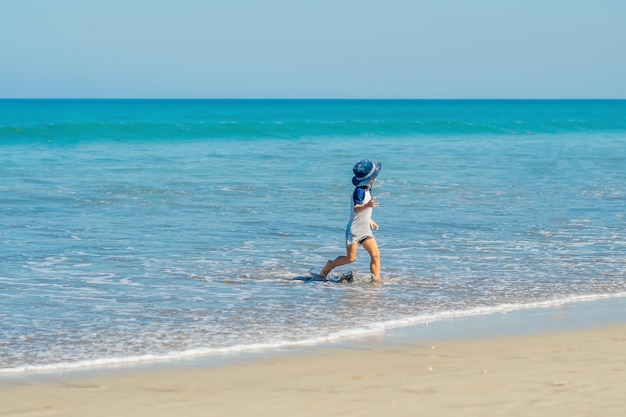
(143, 231)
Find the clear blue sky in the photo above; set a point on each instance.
(313, 48)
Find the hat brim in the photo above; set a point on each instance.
(367, 180)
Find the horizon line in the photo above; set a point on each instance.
(317, 98)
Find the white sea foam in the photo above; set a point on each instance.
(338, 336)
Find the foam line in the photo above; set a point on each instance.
(374, 329)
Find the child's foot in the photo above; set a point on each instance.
(326, 270)
(376, 279)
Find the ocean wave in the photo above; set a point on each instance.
(63, 121)
(70, 132)
(379, 328)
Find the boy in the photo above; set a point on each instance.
(360, 225)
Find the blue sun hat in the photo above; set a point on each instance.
(365, 171)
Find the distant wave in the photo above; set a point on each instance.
(67, 132)
(69, 120)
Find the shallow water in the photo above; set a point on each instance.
(138, 230)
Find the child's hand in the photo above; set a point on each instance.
(372, 203)
(373, 225)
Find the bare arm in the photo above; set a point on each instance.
(370, 204)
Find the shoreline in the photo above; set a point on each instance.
(485, 323)
(561, 360)
(573, 366)
(566, 315)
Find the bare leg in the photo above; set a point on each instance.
(371, 246)
(341, 260)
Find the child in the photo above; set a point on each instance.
(359, 229)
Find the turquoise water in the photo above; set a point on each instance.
(140, 230)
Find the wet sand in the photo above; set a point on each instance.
(573, 373)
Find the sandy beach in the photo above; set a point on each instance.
(577, 373)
